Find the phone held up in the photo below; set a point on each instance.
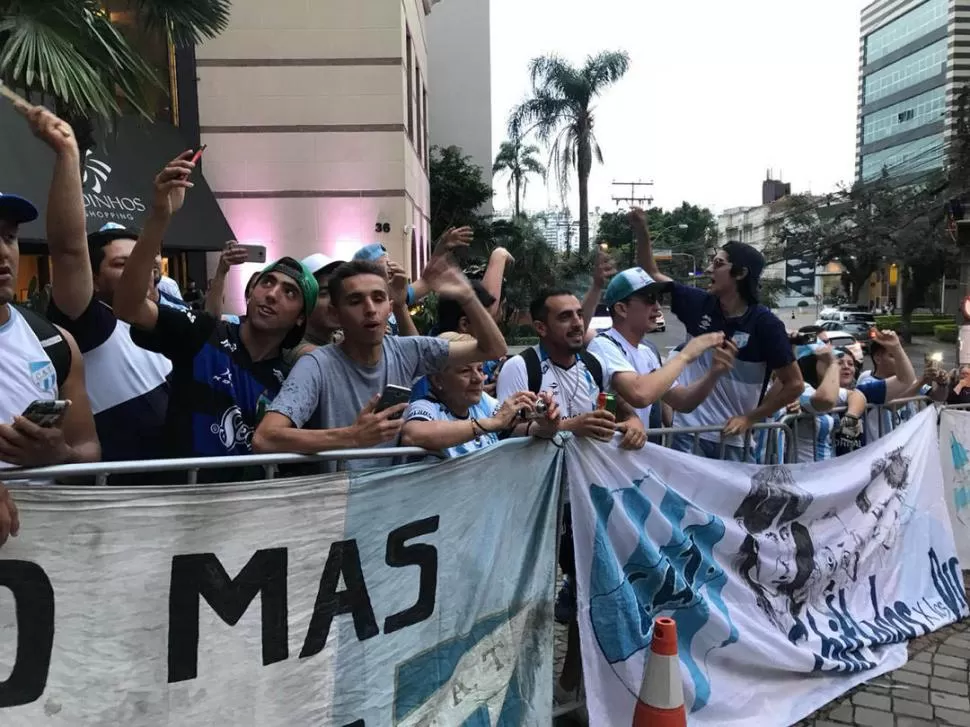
(256, 253)
(47, 414)
(392, 396)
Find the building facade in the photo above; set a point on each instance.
(460, 71)
(316, 120)
(914, 58)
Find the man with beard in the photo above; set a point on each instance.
(126, 385)
(224, 374)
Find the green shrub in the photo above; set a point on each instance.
(946, 332)
(532, 341)
(803, 304)
(519, 330)
(918, 326)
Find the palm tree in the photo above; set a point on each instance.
(519, 160)
(560, 112)
(70, 53)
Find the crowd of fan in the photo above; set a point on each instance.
(326, 357)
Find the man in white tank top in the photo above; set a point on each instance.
(28, 374)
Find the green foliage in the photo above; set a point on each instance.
(560, 113)
(946, 332)
(519, 160)
(888, 322)
(918, 326)
(458, 191)
(535, 265)
(70, 51)
(425, 313)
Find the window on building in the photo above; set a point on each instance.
(910, 158)
(915, 68)
(906, 28)
(904, 116)
(419, 141)
(154, 47)
(427, 134)
(410, 71)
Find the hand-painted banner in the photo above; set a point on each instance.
(382, 599)
(955, 461)
(789, 584)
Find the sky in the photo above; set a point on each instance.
(717, 93)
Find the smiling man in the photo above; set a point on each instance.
(224, 374)
(738, 400)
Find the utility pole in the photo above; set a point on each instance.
(636, 198)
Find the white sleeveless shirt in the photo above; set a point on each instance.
(25, 370)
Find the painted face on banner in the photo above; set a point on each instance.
(777, 559)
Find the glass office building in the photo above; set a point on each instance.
(910, 69)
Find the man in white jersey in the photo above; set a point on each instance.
(574, 377)
(633, 299)
(127, 385)
(738, 400)
(29, 374)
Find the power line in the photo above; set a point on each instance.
(635, 199)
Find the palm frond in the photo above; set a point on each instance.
(556, 77)
(189, 21)
(605, 69)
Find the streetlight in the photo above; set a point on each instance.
(659, 236)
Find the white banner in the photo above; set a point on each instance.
(954, 458)
(789, 584)
(378, 600)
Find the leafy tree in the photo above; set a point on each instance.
(560, 112)
(70, 53)
(458, 191)
(519, 160)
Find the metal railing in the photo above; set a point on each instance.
(667, 434)
(101, 471)
(797, 421)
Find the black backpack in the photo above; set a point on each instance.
(533, 368)
(53, 343)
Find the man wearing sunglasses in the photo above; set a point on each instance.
(738, 401)
(636, 371)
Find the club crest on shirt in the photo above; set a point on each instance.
(43, 376)
(741, 339)
(705, 323)
(232, 429)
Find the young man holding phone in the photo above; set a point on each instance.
(334, 391)
(224, 374)
(44, 371)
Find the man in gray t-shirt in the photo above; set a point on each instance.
(334, 389)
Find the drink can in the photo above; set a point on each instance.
(607, 402)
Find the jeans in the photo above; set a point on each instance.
(710, 450)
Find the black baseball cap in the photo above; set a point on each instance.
(16, 209)
(110, 232)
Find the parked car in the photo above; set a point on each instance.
(844, 339)
(859, 331)
(843, 316)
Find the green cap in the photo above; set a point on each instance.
(293, 268)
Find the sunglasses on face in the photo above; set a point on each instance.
(650, 298)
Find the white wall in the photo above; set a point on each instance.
(459, 33)
(302, 105)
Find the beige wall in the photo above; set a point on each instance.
(303, 107)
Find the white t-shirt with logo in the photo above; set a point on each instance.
(573, 388)
(26, 370)
(619, 355)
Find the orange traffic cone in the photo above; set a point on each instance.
(661, 701)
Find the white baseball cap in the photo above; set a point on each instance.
(319, 263)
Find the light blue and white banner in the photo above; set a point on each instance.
(789, 584)
(414, 596)
(955, 461)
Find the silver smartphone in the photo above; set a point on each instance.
(47, 414)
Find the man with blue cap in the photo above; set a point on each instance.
(224, 374)
(633, 365)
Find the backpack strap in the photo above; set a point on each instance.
(594, 367)
(533, 369)
(53, 343)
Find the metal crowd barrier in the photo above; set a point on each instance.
(666, 435)
(797, 421)
(101, 471)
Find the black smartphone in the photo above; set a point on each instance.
(804, 339)
(48, 413)
(392, 396)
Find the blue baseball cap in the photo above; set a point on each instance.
(16, 209)
(631, 281)
(371, 253)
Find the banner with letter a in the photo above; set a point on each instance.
(789, 584)
(955, 460)
(412, 596)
